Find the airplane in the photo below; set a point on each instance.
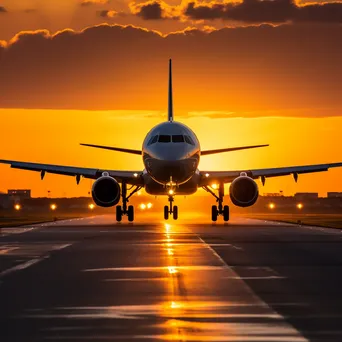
(171, 154)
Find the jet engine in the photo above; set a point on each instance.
(106, 191)
(243, 191)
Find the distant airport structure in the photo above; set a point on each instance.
(18, 195)
(334, 194)
(301, 196)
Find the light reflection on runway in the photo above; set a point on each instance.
(201, 320)
(158, 282)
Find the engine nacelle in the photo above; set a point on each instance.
(106, 191)
(244, 191)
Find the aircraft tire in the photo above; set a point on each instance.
(175, 212)
(214, 213)
(226, 213)
(166, 212)
(118, 213)
(130, 213)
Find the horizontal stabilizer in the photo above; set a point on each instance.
(229, 149)
(119, 149)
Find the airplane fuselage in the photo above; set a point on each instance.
(171, 154)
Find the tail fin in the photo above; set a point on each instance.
(170, 108)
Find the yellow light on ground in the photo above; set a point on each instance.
(171, 192)
(300, 206)
(142, 206)
(91, 206)
(53, 206)
(172, 270)
(175, 305)
(214, 186)
(149, 205)
(167, 227)
(169, 251)
(17, 207)
(271, 205)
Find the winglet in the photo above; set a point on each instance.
(170, 107)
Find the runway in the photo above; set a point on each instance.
(91, 279)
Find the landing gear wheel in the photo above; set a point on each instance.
(130, 213)
(175, 212)
(214, 213)
(118, 213)
(166, 212)
(226, 213)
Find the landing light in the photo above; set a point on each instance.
(17, 207)
(300, 206)
(171, 192)
(91, 206)
(142, 206)
(214, 186)
(207, 175)
(135, 174)
(271, 205)
(149, 205)
(53, 206)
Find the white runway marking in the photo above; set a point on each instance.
(20, 267)
(31, 262)
(270, 332)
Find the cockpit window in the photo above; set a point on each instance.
(153, 140)
(188, 140)
(177, 138)
(164, 138)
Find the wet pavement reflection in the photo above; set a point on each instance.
(121, 283)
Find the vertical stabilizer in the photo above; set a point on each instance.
(170, 107)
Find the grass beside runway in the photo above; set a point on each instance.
(321, 220)
(16, 219)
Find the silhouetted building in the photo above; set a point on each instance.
(303, 196)
(4, 201)
(19, 195)
(334, 194)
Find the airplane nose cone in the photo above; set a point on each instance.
(165, 164)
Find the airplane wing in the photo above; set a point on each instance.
(111, 148)
(209, 177)
(131, 177)
(230, 149)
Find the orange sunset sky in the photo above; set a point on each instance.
(248, 72)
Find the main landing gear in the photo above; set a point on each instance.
(219, 209)
(124, 209)
(170, 209)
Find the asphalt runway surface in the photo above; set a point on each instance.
(91, 279)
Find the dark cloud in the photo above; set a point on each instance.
(154, 10)
(150, 11)
(3, 9)
(265, 11)
(235, 70)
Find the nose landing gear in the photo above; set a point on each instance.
(219, 209)
(170, 209)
